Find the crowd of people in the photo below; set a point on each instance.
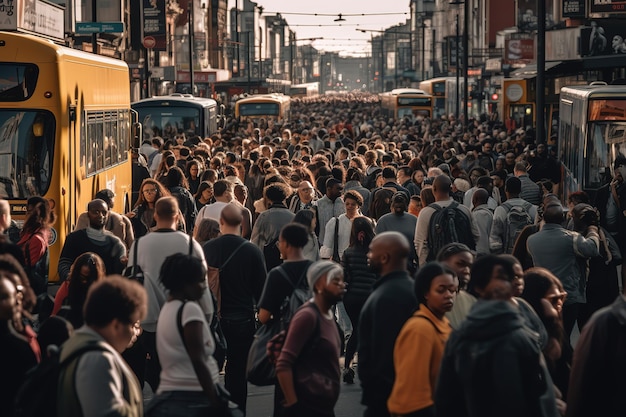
(443, 267)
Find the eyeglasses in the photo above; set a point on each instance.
(150, 191)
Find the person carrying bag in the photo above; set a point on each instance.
(190, 375)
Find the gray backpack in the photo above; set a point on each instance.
(517, 217)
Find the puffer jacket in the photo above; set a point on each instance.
(357, 273)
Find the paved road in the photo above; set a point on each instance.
(261, 400)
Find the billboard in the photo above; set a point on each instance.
(608, 6)
(519, 52)
(574, 8)
(154, 36)
(527, 15)
(603, 37)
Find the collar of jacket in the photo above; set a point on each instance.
(391, 276)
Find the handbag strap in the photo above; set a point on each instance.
(232, 254)
(135, 252)
(179, 322)
(336, 241)
(190, 246)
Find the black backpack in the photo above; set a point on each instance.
(38, 394)
(447, 225)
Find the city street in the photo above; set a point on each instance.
(260, 401)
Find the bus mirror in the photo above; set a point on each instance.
(137, 135)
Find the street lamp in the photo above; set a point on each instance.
(190, 29)
(465, 54)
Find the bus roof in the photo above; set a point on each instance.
(178, 99)
(400, 91)
(44, 50)
(595, 90)
(269, 97)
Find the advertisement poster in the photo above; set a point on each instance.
(154, 33)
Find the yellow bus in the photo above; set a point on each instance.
(306, 90)
(444, 92)
(65, 130)
(403, 102)
(264, 106)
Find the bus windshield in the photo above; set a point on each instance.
(259, 109)
(167, 121)
(607, 140)
(17, 81)
(26, 152)
(414, 101)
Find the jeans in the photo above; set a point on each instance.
(239, 334)
(179, 403)
(353, 307)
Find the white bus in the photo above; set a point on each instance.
(592, 132)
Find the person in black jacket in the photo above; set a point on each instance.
(177, 185)
(360, 280)
(94, 239)
(386, 310)
(493, 364)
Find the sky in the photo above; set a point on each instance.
(339, 36)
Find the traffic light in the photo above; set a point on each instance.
(495, 97)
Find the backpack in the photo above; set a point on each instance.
(448, 224)
(38, 394)
(259, 370)
(517, 217)
(381, 202)
(275, 345)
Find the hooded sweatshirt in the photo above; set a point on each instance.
(493, 366)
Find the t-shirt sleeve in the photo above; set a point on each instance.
(271, 298)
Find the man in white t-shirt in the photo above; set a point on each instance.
(152, 250)
(223, 192)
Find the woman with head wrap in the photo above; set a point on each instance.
(308, 366)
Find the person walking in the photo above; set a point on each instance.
(308, 366)
(493, 365)
(419, 347)
(561, 251)
(33, 241)
(93, 239)
(152, 250)
(241, 280)
(99, 382)
(337, 234)
(189, 372)
(386, 310)
(360, 280)
(116, 223)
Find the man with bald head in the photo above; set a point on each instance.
(442, 186)
(564, 253)
(95, 238)
(242, 277)
(386, 310)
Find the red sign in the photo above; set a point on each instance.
(149, 42)
(198, 76)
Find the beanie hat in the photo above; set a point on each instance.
(318, 270)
